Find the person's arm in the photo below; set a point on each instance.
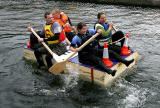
(74, 49)
(93, 32)
(73, 44)
(67, 41)
(42, 32)
(55, 37)
(104, 33)
(69, 21)
(72, 27)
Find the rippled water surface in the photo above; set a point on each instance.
(22, 85)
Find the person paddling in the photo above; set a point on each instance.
(53, 35)
(106, 28)
(107, 35)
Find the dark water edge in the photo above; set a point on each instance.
(137, 3)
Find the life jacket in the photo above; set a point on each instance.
(90, 46)
(106, 27)
(49, 33)
(62, 21)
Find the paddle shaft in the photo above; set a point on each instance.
(114, 28)
(82, 46)
(45, 45)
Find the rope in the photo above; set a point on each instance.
(112, 42)
(117, 40)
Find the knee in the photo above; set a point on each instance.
(120, 33)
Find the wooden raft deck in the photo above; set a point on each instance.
(96, 75)
(100, 77)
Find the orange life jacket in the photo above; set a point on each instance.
(62, 21)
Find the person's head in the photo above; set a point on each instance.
(101, 18)
(48, 17)
(56, 13)
(82, 28)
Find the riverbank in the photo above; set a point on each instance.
(144, 3)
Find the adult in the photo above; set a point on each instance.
(107, 35)
(53, 35)
(65, 22)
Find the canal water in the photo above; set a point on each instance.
(23, 85)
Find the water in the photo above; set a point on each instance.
(22, 85)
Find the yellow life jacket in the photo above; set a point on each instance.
(49, 33)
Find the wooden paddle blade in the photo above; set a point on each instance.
(64, 56)
(58, 68)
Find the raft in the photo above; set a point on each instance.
(92, 73)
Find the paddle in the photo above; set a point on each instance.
(114, 28)
(60, 66)
(45, 45)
